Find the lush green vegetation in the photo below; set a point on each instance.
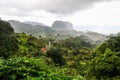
(8, 44)
(25, 57)
(105, 63)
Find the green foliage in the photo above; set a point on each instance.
(5, 28)
(106, 62)
(8, 46)
(56, 55)
(8, 43)
(76, 43)
(29, 45)
(76, 52)
(113, 43)
(105, 65)
(22, 68)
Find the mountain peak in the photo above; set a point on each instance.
(62, 25)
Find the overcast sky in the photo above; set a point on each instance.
(101, 16)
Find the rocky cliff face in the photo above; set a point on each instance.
(64, 28)
(60, 25)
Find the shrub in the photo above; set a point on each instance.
(56, 56)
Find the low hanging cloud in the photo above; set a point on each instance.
(24, 7)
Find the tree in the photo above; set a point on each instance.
(106, 62)
(8, 43)
(113, 43)
(5, 28)
(56, 55)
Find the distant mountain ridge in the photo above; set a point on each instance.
(36, 30)
(61, 28)
(34, 23)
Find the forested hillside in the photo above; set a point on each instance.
(25, 57)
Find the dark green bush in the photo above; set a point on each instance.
(56, 55)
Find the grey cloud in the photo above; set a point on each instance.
(69, 6)
(18, 7)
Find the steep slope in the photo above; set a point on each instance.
(36, 30)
